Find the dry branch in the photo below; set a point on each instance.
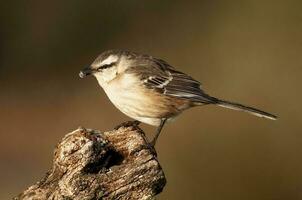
(88, 164)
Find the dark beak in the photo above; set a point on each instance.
(86, 72)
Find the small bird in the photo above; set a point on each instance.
(150, 90)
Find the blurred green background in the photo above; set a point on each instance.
(246, 51)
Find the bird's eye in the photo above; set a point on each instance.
(105, 66)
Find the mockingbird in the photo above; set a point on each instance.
(150, 90)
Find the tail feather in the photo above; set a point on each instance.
(240, 107)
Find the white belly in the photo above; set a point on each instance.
(126, 96)
(132, 105)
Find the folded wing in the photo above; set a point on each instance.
(158, 75)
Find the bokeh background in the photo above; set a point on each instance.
(246, 51)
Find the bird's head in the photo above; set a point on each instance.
(108, 65)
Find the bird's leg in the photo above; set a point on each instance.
(158, 130)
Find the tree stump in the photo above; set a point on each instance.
(88, 164)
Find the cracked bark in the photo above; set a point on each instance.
(88, 164)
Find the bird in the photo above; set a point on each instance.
(150, 90)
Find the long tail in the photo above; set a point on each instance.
(240, 107)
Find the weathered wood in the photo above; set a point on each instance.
(88, 164)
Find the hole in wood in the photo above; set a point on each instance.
(111, 158)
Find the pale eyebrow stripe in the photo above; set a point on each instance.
(109, 60)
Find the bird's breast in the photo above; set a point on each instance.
(140, 103)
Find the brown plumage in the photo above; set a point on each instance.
(150, 90)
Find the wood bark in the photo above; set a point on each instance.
(89, 164)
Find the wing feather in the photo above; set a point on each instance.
(158, 75)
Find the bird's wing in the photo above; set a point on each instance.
(158, 75)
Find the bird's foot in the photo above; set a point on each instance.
(152, 143)
(151, 147)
